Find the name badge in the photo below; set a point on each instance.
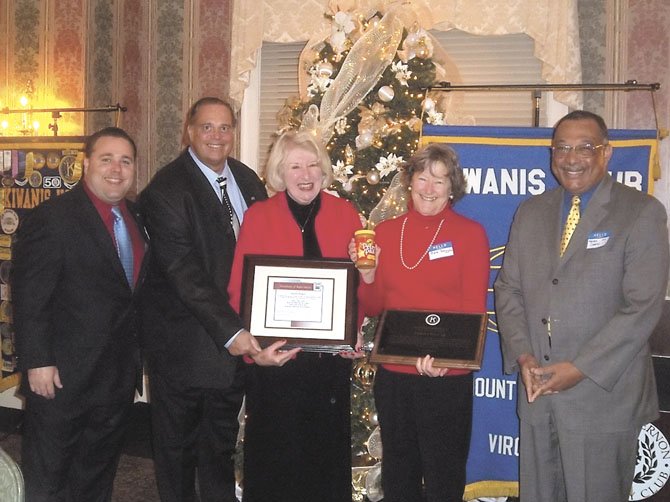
(597, 240)
(441, 250)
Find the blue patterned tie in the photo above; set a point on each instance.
(124, 246)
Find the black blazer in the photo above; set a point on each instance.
(187, 318)
(73, 307)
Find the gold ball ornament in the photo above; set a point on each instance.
(422, 50)
(349, 155)
(365, 460)
(357, 496)
(415, 124)
(386, 93)
(364, 371)
(358, 478)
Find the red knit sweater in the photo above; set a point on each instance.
(456, 283)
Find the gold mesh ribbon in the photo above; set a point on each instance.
(393, 203)
(358, 75)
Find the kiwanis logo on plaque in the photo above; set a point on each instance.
(653, 463)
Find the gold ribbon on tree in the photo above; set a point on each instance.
(358, 75)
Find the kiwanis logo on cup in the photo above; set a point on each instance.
(653, 463)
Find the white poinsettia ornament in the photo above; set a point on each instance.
(342, 171)
(416, 44)
(318, 82)
(388, 164)
(434, 117)
(401, 71)
(343, 24)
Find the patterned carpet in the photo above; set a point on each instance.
(134, 481)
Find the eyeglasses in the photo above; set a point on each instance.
(209, 129)
(585, 150)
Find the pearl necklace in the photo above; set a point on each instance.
(402, 238)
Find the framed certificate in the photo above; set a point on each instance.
(455, 340)
(310, 303)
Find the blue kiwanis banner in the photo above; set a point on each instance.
(504, 166)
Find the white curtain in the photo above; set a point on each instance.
(552, 24)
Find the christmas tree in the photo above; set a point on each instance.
(365, 95)
(370, 143)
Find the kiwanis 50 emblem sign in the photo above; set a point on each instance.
(653, 463)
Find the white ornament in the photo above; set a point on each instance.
(386, 93)
(412, 39)
(324, 69)
(364, 140)
(428, 104)
(372, 176)
(343, 21)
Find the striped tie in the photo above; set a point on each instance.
(234, 221)
(570, 224)
(124, 246)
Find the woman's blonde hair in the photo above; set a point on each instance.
(274, 168)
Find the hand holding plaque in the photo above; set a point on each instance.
(455, 340)
(426, 366)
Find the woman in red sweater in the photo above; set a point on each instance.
(297, 444)
(430, 258)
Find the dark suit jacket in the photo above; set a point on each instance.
(73, 307)
(187, 316)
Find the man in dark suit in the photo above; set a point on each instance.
(191, 335)
(580, 291)
(76, 275)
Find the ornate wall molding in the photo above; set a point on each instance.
(99, 61)
(168, 80)
(4, 53)
(592, 36)
(66, 23)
